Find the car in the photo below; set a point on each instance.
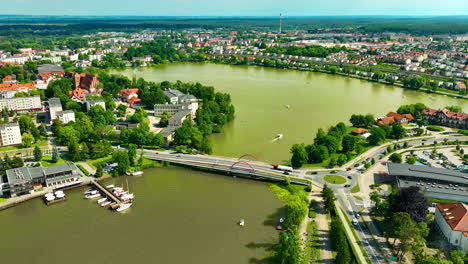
(333, 172)
(357, 215)
(286, 173)
(314, 172)
(355, 221)
(348, 169)
(349, 177)
(347, 186)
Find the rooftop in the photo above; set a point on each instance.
(427, 172)
(55, 102)
(455, 215)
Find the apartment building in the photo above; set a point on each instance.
(22, 104)
(10, 134)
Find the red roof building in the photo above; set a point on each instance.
(452, 220)
(446, 117)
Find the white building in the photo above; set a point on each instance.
(452, 222)
(22, 104)
(66, 116)
(55, 106)
(91, 103)
(10, 134)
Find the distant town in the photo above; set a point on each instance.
(370, 189)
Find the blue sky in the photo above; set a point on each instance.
(235, 7)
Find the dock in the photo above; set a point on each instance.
(116, 202)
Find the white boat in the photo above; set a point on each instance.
(49, 197)
(242, 222)
(129, 196)
(136, 173)
(124, 207)
(90, 192)
(281, 220)
(110, 186)
(279, 136)
(92, 196)
(117, 189)
(59, 194)
(102, 200)
(106, 203)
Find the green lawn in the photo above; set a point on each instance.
(334, 179)
(355, 189)
(358, 197)
(435, 200)
(40, 143)
(312, 250)
(2, 199)
(46, 161)
(435, 128)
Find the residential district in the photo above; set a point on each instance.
(58, 103)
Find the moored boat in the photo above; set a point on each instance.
(92, 196)
(242, 222)
(124, 207)
(102, 200)
(106, 203)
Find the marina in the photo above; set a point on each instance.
(115, 197)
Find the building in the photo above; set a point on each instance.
(5, 94)
(50, 69)
(173, 95)
(171, 109)
(94, 102)
(130, 96)
(9, 79)
(452, 221)
(393, 117)
(86, 81)
(55, 106)
(177, 119)
(446, 118)
(22, 104)
(66, 116)
(22, 180)
(10, 134)
(359, 131)
(433, 182)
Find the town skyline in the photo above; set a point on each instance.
(240, 8)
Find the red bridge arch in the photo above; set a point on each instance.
(242, 162)
(248, 155)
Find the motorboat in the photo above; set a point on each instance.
(128, 196)
(136, 173)
(102, 200)
(281, 220)
(92, 196)
(242, 222)
(279, 136)
(110, 186)
(106, 203)
(90, 192)
(124, 207)
(49, 197)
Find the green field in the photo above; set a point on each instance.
(46, 161)
(334, 179)
(355, 189)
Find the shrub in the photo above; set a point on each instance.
(85, 171)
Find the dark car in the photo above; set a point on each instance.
(285, 173)
(348, 169)
(349, 177)
(347, 186)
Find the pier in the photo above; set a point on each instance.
(116, 201)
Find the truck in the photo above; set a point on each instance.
(282, 168)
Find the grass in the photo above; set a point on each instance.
(3, 199)
(313, 209)
(334, 179)
(435, 128)
(46, 161)
(312, 250)
(97, 162)
(435, 200)
(358, 197)
(83, 169)
(358, 240)
(355, 189)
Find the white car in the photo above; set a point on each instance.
(355, 221)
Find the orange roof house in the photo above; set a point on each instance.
(359, 131)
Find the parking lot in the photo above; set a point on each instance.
(444, 158)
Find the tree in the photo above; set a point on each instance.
(299, 155)
(414, 82)
(55, 155)
(164, 121)
(410, 200)
(377, 136)
(37, 153)
(402, 229)
(455, 108)
(411, 160)
(43, 130)
(458, 256)
(395, 158)
(132, 153)
(28, 139)
(398, 131)
(349, 143)
(123, 161)
(99, 172)
(329, 198)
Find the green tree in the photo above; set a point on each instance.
(299, 155)
(349, 143)
(377, 136)
(395, 158)
(398, 131)
(411, 160)
(99, 172)
(123, 161)
(28, 139)
(132, 153)
(55, 155)
(37, 153)
(458, 256)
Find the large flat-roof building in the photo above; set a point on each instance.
(21, 104)
(22, 180)
(433, 182)
(66, 116)
(10, 134)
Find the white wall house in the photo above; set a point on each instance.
(452, 222)
(10, 134)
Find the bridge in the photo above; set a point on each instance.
(239, 167)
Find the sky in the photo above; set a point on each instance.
(235, 7)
